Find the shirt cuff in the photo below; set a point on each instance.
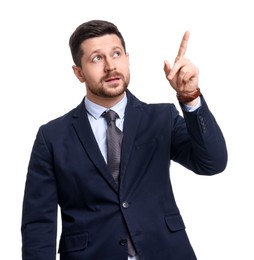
(188, 108)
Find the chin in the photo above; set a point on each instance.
(115, 92)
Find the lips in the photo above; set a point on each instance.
(112, 79)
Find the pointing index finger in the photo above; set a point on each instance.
(183, 45)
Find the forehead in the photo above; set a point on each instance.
(101, 44)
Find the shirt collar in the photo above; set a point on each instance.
(96, 110)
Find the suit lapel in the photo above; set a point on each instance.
(84, 131)
(132, 118)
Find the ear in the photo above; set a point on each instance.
(79, 73)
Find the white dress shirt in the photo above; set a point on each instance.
(99, 124)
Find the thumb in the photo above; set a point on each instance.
(167, 68)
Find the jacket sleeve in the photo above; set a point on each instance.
(39, 216)
(198, 143)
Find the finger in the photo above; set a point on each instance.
(177, 66)
(183, 46)
(183, 78)
(191, 71)
(167, 68)
(174, 70)
(188, 76)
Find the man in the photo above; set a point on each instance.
(132, 215)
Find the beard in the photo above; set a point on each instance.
(106, 89)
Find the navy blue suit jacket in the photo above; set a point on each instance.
(66, 168)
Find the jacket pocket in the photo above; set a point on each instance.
(75, 242)
(174, 223)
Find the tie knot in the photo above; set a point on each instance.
(110, 115)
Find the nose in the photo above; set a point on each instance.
(109, 65)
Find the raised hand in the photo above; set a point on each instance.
(183, 76)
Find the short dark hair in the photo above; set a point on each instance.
(91, 29)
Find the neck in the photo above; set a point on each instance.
(107, 102)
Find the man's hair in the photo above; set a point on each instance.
(91, 29)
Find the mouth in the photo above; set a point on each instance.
(112, 79)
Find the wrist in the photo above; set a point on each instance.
(187, 98)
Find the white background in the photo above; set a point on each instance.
(37, 84)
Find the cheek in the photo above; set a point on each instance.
(92, 75)
(95, 76)
(126, 65)
(94, 72)
(126, 69)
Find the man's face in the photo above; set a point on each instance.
(104, 67)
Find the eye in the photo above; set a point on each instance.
(116, 54)
(97, 58)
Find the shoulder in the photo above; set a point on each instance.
(64, 121)
(134, 102)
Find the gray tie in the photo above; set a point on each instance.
(114, 140)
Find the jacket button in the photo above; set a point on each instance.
(202, 123)
(125, 204)
(123, 242)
